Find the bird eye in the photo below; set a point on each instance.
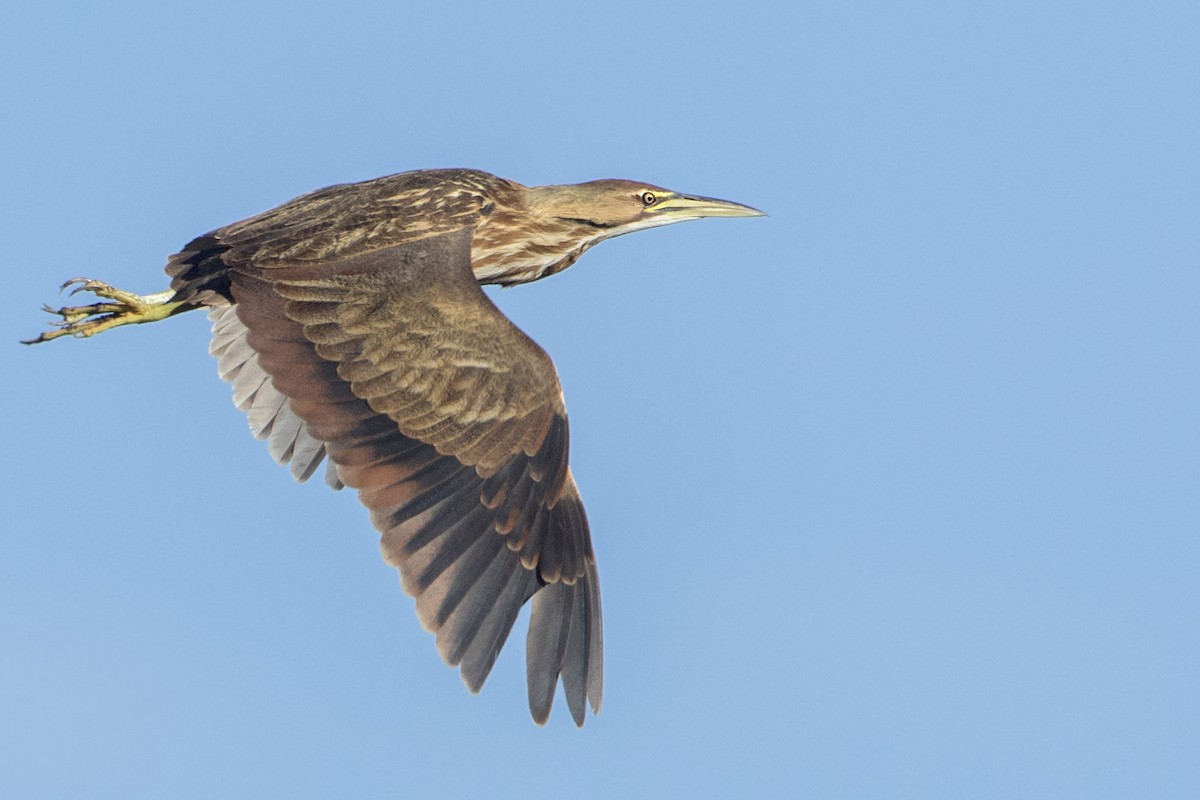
(648, 198)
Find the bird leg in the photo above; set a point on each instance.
(125, 308)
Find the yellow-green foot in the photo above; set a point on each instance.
(124, 308)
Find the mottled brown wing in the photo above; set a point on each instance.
(450, 423)
(353, 218)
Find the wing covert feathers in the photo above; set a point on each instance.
(450, 424)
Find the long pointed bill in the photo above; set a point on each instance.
(684, 206)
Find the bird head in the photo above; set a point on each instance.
(614, 207)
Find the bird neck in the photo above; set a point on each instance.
(508, 249)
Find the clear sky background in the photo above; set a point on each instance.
(895, 493)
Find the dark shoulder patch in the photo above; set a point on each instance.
(199, 272)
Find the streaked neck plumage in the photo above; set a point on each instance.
(532, 239)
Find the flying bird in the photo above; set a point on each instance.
(352, 326)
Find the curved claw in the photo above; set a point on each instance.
(89, 285)
(72, 281)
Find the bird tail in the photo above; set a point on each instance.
(199, 275)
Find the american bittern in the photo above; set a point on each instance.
(352, 325)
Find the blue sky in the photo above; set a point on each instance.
(895, 493)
